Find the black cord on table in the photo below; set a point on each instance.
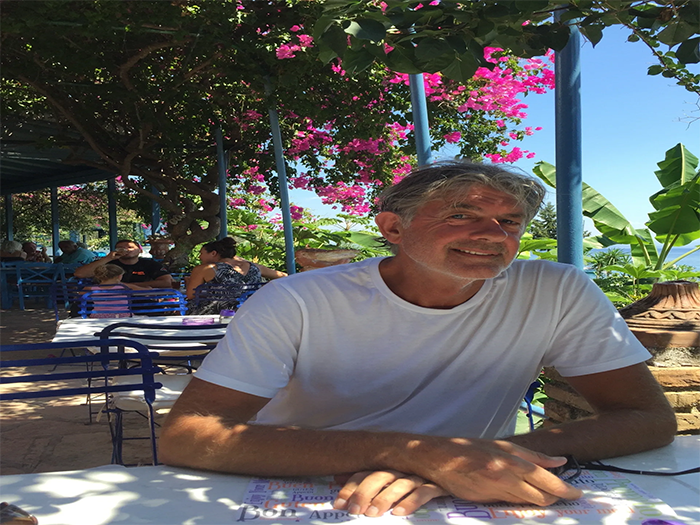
(597, 465)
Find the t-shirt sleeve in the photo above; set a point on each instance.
(258, 353)
(590, 336)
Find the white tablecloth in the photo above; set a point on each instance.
(168, 496)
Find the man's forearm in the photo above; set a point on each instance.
(84, 272)
(479, 470)
(605, 435)
(209, 443)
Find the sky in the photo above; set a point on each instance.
(629, 121)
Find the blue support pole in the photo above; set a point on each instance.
(155, 212)
(54, 220)
(112, 211)
(221, 163)
(9, 219)
(283, 185)
(421, 127)
(568, 152)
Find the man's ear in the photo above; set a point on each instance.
(390, 226)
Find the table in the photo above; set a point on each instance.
(76, 329)
(168, 496)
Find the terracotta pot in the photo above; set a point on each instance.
(310, 258)
(668, 317)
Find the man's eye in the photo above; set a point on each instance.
(457, 216)
(510, 223)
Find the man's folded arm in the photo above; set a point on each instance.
(632, 415)
(207, 429)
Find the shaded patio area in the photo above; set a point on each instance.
(53, 434)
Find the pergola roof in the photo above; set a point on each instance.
(24, 166)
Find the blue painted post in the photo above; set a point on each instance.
(223, 168)
(568, 152)
(421, 127)
(282, 181)
(155, 211)
(54, 220)
(9, 219)
(112, 212)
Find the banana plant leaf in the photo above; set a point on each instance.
(635, 271)
(677, 168)
(676, 221)
(607, 219)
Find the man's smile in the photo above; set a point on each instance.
(484, 253)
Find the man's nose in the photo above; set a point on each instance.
(490, 230)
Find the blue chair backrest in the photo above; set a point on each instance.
(156, 301)
(66, 293)
(35, 273)
(160, 337)
(45, 383)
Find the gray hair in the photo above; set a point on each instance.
(453, 177)
(11, 246)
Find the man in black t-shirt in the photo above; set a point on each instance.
(144, 272)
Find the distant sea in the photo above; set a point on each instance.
(692, 260)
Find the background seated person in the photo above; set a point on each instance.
(144, 272)
(109, 277)
(11, 251)
(71, 253)
(220, 264)
(408, 370)
(33, 254)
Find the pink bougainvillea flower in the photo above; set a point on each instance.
(453, 137)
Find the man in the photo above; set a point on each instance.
(71, 253)
(144, 272)
(408, 370)
(34, 254)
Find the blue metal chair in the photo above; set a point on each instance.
(528, 408)
(66, 295)
(104, 379)
(176, 344)
(35, 280)
(125, 302)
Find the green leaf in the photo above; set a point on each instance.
(593, 33)
(326, 54)
(529, 6)
(547, 172)
(367, 29)
(366, 240)
(432, 48)
(402, 59)
(675, 33)
(322, 25)
(356, 60)
(678, 167)
(655, 70)
(336, 39)
(689, 51)
(457, 43)
(462, 68)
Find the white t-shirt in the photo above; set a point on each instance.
(335, 349)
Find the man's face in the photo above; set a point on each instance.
(67, 247)
(129, 249)
(472, 235)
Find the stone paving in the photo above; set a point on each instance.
(48, 435)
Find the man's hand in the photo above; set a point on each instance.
(481, 471)
(374, 493)
(484, 471)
